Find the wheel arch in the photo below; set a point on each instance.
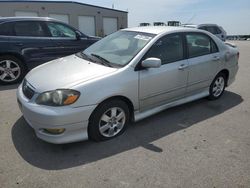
(226, 73)
(16, 55)
(122, 98)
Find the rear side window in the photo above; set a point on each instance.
(214, 29)
(200, 44)
(6, 29)
(169, 49)
(203, 28)
(218, 31)
(29, 29)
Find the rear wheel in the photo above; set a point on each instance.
(12, 70)
(109, 120)
(217, 87)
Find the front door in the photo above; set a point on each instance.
(167, 83)
(64, 39)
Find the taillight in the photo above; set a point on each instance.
(238, 55)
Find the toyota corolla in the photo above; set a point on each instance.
(127, 76)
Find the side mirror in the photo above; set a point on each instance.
(78, 35)
(151, 63)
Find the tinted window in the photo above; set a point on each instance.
(169, 49)
(214, 30)
(203, 28)
(217, 30)
(61, 30)
(30, 29)
(214, 47)
(6, 29)
(200, 44)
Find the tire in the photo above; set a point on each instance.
(12, 70)
(217, 87)
(103, 125)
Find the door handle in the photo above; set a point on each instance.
(216, 58)
(19, 44)
(183, 66)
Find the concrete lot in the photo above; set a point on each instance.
(200, 144)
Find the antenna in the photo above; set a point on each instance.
(189, 21)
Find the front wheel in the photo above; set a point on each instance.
(109, 120)
(217, 87)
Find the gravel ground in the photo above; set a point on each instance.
(199, 144)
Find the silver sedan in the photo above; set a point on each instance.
(127, 76)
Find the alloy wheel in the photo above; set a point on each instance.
(112, 122)
(218, 86)
(9, 71)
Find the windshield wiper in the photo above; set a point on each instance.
(85, 56)
(104, 61)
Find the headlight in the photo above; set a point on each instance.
(60, 97)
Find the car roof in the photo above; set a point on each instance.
(190, 25)
(198, 25)
(7, 19)
(159, 29)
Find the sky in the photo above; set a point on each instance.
(232, 15)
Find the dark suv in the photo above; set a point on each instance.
(28, 42)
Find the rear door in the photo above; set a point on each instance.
(167, 83)
(64, 39)
(31, 40)
(204, 61)
(6, 30)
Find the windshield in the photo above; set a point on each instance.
(119, 48)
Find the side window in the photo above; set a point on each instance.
(200, 44)
(213, 29)
(203, 28)
(60, 30)
(218, 31)
(6, 29)
(169, 49)
(214, 47)
(29, 29)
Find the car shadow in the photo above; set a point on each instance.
(8, 87)
(141, 134)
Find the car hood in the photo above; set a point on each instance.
(65, 73)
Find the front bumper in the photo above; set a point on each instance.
(39, 117)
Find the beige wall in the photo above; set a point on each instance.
(7, 9)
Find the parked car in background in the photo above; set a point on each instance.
(212, 28)
(127, 76)
(144, 24)
(28, 42)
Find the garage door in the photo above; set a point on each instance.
(87, 25)
(109, 25)
(62, 17)
(26, 14)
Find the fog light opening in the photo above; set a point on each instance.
(54, 131)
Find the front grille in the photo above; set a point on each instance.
(27, 90)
